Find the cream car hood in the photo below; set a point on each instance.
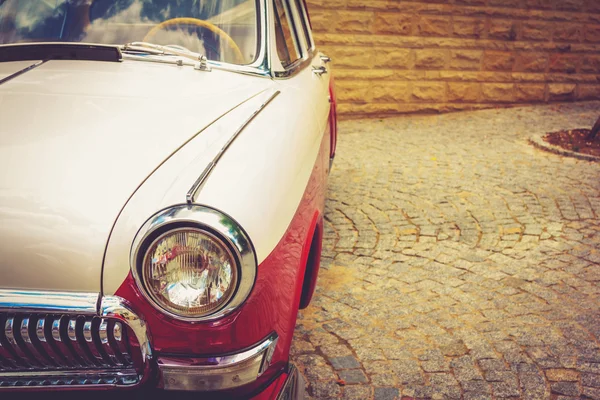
(77, 138)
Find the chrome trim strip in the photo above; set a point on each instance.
(52, 302)
(297, 66)
(62, 373)
(219, 372)
(191, 194)
(22, 71)
(225, 227)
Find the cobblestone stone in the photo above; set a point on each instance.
(458, 262)
(352, 376)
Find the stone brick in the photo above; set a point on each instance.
(471, 2)
(398, 24)
(466, 59)
(354, 21)
(567, 32)
(592, 6)
(536, 31)
(539, 4)
(566, 63)
(570, 5)
(398, 59)
(443, 55)
(561, 91)
(498, 92)
(505, 3)
(433, 26)
(357, 57)
(468, 27)
(322, 20)
(530, 92)
(498, 61)
(592, 33)
(356, 92)
(464, 92)
(430, 59)
(590, 64)
(503, 30)
(389, 92)
(531, 62)
(368, 74)
(316, 4)
(429, 91)
(588, 92)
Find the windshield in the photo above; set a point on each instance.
(222, 30)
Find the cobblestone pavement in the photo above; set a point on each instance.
(459, 262)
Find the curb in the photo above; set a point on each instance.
(538, 142)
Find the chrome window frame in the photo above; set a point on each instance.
(291, 18)
(308, 53)
(303, 16)
(261, 65)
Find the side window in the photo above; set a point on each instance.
(305, 22)
(284, 30)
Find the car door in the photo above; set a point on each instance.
(320, 66)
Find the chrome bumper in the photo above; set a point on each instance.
(216, 373)
(293, 387)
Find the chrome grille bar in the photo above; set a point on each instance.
(42, 331)
(57, 339)
(51, 339)
(75, 342)
(106, 346)
(11, 337)
(31, 342)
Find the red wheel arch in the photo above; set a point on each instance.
(313, 264)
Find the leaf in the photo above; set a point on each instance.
(341, 382)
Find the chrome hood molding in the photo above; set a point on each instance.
(77, 139)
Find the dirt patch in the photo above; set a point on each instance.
(575, 140)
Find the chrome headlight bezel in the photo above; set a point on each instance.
(214, 223)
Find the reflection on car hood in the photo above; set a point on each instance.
(76, 140)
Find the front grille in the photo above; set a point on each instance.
(62, 349)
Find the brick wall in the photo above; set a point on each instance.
(420, 56)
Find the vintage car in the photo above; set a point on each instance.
(163, 173)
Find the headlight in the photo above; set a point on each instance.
(189, 272)
(193, 263)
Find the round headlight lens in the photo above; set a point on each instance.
(189, 272)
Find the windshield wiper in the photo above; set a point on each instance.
(141, 51)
